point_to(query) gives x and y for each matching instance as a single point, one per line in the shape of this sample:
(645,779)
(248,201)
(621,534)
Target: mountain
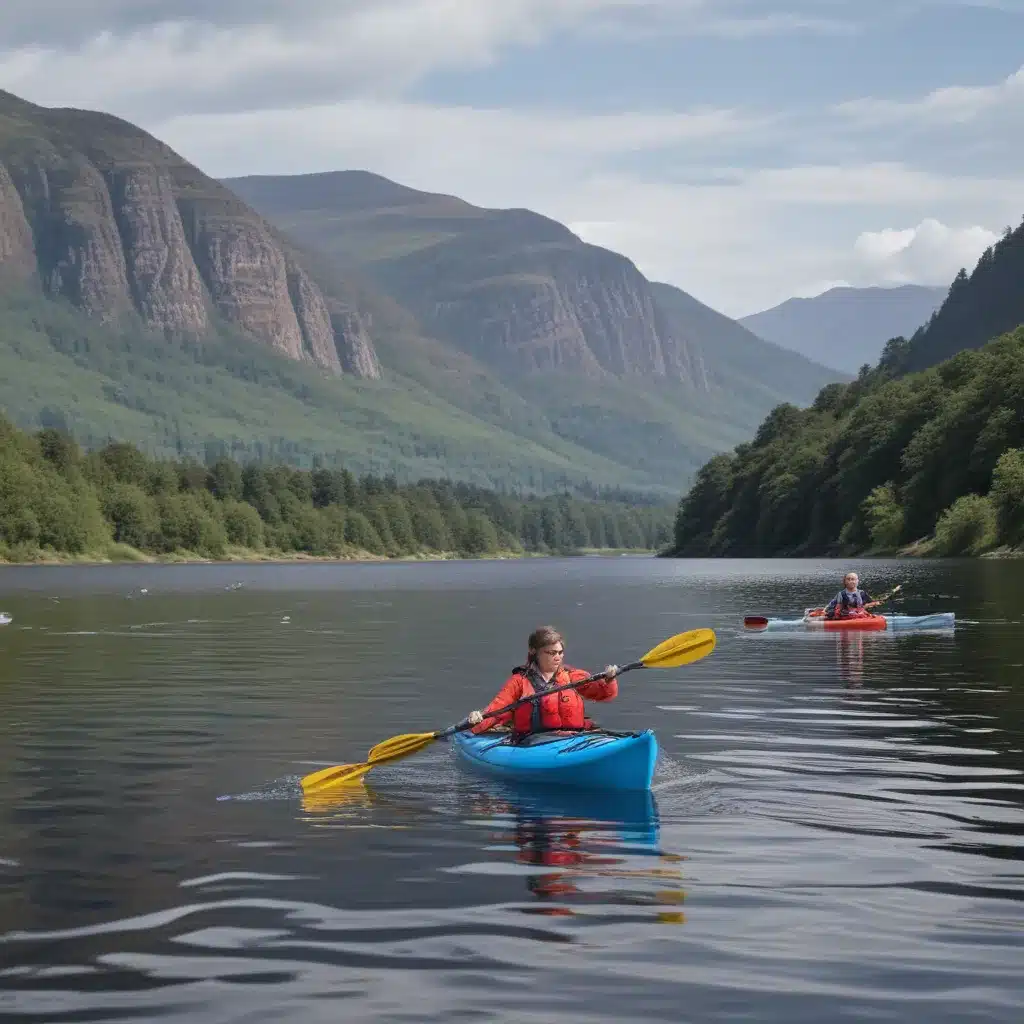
(570,326)
(846,327)
(383,328)
(105,216)
(978,307)
(753,370)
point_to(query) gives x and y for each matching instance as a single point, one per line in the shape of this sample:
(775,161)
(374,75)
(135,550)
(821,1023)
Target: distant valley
(847,327)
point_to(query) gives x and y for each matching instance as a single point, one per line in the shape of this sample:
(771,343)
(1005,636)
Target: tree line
(57,497)
(874,465)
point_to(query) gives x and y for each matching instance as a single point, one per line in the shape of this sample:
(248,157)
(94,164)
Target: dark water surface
(836,831)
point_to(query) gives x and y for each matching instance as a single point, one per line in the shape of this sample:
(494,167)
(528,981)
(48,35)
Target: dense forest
(114,502)
(925,449)
(876,465)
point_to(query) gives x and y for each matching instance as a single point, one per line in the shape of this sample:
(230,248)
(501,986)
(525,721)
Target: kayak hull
(583,760)
(867,623)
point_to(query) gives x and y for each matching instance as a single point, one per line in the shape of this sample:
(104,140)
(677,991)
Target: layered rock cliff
(561,304)
(104,215)
(17,246)
(513,288)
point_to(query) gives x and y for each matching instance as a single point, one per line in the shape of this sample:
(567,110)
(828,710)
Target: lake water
(835,835)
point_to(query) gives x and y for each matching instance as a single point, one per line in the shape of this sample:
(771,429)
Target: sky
(745,150)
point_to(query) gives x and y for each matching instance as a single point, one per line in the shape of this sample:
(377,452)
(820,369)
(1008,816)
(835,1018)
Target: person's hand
(610,672)
(475,717)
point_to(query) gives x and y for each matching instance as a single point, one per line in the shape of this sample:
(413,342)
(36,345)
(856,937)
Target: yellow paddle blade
(681,649)
(388,750)
(398,746)
(336,775)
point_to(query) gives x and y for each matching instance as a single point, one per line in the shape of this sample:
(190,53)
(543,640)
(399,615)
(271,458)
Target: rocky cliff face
(165,281)
(513,288)
(104,215)
(17,247)
(558,305)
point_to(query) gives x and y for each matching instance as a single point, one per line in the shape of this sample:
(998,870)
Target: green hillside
(58,367)
(875,465)
(115,504)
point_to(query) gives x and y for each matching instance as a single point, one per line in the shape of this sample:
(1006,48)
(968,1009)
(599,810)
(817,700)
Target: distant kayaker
(544,670)
(851,600)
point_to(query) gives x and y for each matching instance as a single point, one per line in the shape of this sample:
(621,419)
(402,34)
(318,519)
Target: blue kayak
(592,759)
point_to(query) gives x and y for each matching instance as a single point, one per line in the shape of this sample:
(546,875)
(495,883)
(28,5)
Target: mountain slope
(515,289)
(111,243)
(521,293)
(748,367)
(100,213)
(59,368)
(846,327)
(979,306)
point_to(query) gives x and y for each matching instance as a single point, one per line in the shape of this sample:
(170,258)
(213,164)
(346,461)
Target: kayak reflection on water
(588,846)
(579,840)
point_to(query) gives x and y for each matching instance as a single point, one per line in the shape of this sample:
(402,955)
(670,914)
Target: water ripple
(836,830)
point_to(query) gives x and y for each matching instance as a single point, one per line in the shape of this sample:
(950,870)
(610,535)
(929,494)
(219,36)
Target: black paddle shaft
(466,724)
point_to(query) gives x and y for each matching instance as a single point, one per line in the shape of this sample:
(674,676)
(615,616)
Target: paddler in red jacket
(544,670)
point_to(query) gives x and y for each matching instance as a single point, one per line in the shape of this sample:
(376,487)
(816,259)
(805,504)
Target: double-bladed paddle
(681,649)
(761,621)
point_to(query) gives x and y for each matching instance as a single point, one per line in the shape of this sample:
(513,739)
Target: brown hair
(544,636)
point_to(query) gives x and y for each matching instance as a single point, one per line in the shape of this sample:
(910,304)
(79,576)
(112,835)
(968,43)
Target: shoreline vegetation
(924,464)
(60,504)
(125,554)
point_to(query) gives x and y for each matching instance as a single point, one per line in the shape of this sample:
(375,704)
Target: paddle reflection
(338,802)
(588,847)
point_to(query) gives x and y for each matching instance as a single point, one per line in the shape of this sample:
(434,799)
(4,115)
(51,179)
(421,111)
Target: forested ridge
(114,502)
(932,459)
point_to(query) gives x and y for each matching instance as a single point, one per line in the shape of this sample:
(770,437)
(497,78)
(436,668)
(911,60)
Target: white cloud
(778,23)
(719,18)
(259,86)
(147,58)
(185,61)
(493,157)
(930,253)
(739,239)
(751,245)
(941,107)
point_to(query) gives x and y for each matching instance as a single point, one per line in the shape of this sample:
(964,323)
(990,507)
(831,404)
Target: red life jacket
(563,710)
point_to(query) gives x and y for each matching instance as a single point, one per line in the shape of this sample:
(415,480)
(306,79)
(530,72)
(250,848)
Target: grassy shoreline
(124,554)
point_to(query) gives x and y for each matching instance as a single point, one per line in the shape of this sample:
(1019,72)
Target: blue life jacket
(846,600)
